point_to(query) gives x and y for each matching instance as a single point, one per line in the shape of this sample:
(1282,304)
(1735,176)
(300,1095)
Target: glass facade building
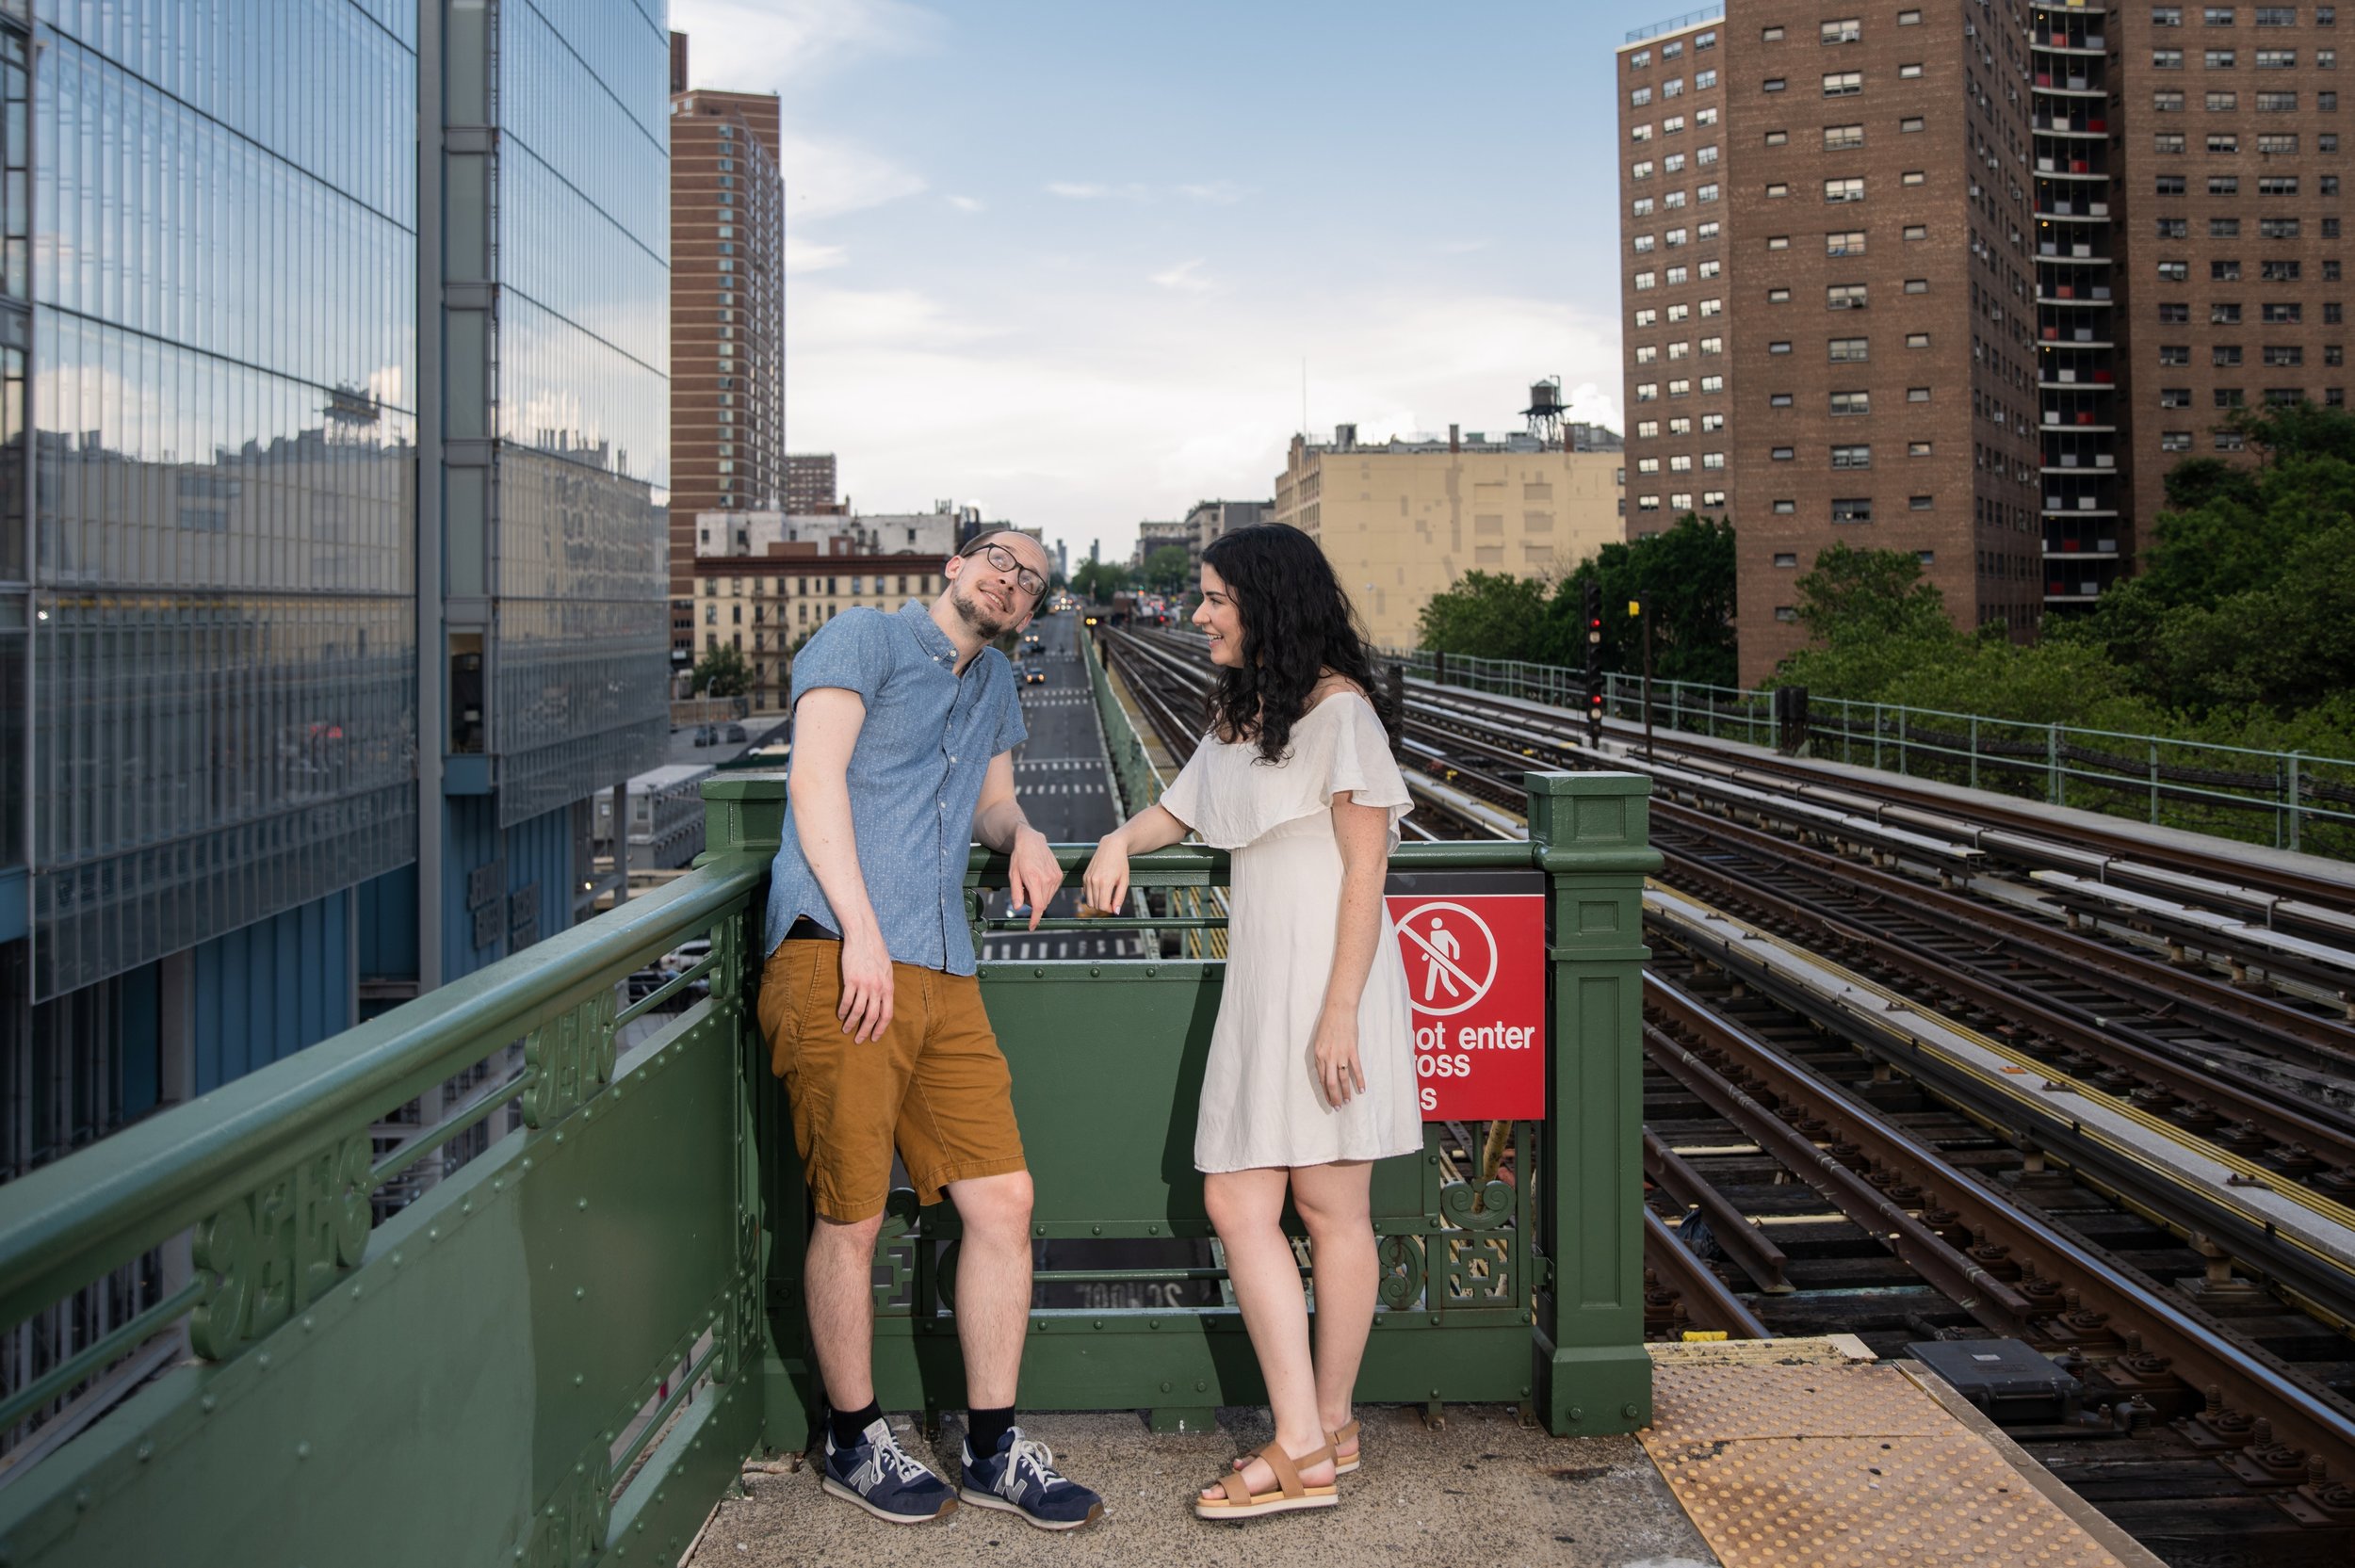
(223,442)
(334,467)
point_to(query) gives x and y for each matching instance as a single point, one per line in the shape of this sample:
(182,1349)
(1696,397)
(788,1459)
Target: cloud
(765,45)
(1222,193)
(965,203)
(1460,247)
(802,255)
(1085,402)
(826,178)
(1074,190)
(1185,276)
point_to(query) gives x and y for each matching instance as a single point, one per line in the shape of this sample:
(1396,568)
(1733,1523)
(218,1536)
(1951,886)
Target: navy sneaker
(1020,1477)
(884,1479)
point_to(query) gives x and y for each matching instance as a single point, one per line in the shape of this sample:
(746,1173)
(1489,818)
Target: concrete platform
(1484,1489)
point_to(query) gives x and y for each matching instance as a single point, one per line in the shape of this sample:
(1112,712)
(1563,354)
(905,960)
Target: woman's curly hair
(1297,625)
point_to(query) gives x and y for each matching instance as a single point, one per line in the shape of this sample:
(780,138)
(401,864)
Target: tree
(722,672)
(1097,581)
(1488,615)
(1168,570)
(1684,578)
(1869,595)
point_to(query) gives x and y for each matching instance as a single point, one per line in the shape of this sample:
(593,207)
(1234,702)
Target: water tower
(1545,410)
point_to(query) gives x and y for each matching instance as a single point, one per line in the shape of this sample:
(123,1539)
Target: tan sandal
(1238,1501)
(1334,1440)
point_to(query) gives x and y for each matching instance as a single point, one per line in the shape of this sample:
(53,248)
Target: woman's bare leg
(1336,1202)
(1247,1206)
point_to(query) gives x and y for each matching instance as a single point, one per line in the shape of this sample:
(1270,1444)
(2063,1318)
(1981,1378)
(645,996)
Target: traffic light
(1594,663)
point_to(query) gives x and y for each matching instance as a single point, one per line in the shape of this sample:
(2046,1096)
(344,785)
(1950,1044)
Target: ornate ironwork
(1402,1272)
(280,1247)
(569,1058)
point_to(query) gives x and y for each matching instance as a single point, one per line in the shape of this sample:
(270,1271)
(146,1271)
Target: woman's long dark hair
(1298,623)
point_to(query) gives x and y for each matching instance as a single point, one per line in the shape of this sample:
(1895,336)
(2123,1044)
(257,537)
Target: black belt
(806,930)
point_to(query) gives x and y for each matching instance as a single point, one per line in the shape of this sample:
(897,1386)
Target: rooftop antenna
(1545,410)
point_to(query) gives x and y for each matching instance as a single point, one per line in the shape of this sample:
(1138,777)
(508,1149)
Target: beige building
(1404,520)
(766,605)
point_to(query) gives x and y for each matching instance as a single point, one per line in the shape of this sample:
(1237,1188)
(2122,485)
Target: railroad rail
(1904,1049)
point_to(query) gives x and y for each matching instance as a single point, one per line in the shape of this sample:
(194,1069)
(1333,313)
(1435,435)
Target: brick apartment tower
(810,484)
(1830,281)
(727,317)
(1966,279)
(2226,129)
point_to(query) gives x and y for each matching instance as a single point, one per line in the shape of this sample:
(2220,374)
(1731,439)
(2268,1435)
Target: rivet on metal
(580,1293)
(433,1232)
(1630,1410)
(560,1137)
(208,1403)
(309,1321)
(261,1361)
(578,1378)
(147,1450)
(581,1203)
(302,1449)
(527,1164)
(1577,1415)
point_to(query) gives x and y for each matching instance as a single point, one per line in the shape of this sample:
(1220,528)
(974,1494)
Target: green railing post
(1589,833)
(741,813)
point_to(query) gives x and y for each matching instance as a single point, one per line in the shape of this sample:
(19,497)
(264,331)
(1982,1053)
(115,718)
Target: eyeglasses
(1002,559)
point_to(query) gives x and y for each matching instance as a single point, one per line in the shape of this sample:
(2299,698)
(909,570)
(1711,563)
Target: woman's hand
(1339,1071)
(866,986)
(1106,879)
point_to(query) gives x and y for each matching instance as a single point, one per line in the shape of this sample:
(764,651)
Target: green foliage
(1488,615)
(1097,581)
(1684,578)
(1684,575)
(2240,628)
(1168,570)
(722,672)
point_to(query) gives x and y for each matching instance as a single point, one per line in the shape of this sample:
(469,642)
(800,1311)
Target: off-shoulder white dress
(1261,1102)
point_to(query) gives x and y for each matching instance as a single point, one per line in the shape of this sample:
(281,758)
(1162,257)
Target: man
(903,730)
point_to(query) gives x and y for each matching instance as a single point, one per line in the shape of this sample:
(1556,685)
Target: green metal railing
(561,1350)
(2288,799)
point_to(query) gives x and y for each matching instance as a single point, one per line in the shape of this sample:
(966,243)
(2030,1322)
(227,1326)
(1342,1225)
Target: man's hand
(1035,877)
(866,986)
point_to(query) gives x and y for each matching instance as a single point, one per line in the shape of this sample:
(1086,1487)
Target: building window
(1845,242)
(1917,231)
(2174,441)
(1776,191)
(1852,457)
(1778,242)
(1917,340)
(2224,355)
(2170,271)
(1909,72)
(1781,454)
(2167,59)
(1848,350)
(1846,30)
(2174,396)
(1909,123)
(1781,347)
(1772,84)
(1848,190)
(1912,177)
(1846,404)
(1917,395)
(2175,353)
(1919,503)
(1844,297)
(1854,509)
(1917,448)
(1843,84)
(1778,399)
(2168,228)
(2224,272)
(1839,138)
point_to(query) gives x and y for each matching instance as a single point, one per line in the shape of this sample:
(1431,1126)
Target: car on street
(1035,674)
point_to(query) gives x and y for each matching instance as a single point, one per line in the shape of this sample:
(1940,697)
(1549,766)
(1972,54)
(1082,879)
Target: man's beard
(975,614)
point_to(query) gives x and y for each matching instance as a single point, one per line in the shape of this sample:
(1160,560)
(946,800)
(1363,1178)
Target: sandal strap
(1287,1473)
(1238,1490)
(1343,1435)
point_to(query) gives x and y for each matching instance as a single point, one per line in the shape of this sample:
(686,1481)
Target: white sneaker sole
(990,1499)
(948,1506)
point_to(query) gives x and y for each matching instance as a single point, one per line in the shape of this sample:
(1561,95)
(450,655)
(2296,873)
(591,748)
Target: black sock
(987,1429)
(850,1426)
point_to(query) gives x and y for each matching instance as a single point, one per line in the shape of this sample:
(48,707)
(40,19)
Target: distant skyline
(1065,262)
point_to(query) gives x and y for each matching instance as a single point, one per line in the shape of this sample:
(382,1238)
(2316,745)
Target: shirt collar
(929,636)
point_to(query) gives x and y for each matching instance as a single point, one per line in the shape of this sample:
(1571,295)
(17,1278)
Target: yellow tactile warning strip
(1831,1466)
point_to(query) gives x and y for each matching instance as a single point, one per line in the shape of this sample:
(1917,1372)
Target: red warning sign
(1476,980)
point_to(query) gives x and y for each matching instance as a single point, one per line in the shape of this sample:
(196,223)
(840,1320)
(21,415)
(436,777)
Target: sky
(1066,262)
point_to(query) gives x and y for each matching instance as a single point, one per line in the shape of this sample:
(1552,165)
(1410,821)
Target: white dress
(1263,1104)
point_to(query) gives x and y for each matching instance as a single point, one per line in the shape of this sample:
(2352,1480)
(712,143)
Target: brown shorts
(934,1085)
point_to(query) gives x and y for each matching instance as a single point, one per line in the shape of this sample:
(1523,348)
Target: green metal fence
(561,1350)
(2288,799)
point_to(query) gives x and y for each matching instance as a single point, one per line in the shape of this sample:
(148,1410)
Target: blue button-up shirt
(915,775)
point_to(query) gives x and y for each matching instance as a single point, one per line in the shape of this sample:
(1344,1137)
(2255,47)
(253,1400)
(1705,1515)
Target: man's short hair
(986,535)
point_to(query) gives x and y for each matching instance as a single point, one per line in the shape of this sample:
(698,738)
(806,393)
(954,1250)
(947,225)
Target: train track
(1857,1176)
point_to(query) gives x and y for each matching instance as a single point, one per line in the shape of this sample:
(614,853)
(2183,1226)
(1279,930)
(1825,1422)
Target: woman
(1310,1075)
